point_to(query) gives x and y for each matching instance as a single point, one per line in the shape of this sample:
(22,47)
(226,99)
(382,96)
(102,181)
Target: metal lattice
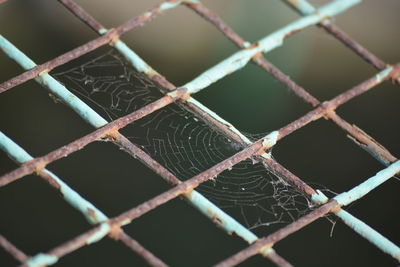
(112,227)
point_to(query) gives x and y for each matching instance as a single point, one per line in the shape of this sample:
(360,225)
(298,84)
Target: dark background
(180,45)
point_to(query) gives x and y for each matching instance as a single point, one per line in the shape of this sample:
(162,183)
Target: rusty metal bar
(305,8)
(92,214)
(108,37)
(270,240)
(357,135)
(105,228)
(227,222)
(239,59)
(317,113)
(337,6)
(39,163)
(13,250)
(194,199)
(327,106)
(135,246)
(97,233)
(334,206)
(83,15)
(256,147)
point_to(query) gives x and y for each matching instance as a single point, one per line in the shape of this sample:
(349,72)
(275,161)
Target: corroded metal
(253,149)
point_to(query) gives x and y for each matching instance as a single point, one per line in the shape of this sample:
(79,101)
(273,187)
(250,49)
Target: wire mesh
(259,149)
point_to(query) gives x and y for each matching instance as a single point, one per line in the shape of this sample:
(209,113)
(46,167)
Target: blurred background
(180,45)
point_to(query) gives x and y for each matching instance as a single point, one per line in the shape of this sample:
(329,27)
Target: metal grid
(112,227)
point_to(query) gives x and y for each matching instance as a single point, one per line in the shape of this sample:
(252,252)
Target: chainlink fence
(206,160)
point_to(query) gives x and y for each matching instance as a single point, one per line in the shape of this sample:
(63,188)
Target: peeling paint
(270,140)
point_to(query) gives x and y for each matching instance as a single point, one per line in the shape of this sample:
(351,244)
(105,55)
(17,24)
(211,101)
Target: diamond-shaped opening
(179,45)
(45,33)
(109,178)
(322,155)
(378,32)
(253,101)
(329,68)
(34,121)
(323,242)
(253,20)
(182,236)
(106,252)
(106,82)
(376,113)
(35,218)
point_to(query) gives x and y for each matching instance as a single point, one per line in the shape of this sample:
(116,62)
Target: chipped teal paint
(370,234)
(102,31)
(319,198)
(240,58)
(41,260)
(383,75)
(365,187)
(91,213)
(98,235)
(53,85)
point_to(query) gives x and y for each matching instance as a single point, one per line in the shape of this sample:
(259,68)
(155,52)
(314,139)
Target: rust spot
(160,80)
(336,208)
(258,56)
(92,214)
(39,166)
(50,181)
(253,45)
(291,33)
(113,35)
(217,221)
(115,232)
(112,136)
(186,96)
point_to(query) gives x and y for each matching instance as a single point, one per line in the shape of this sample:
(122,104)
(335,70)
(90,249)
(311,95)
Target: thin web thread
(185,144)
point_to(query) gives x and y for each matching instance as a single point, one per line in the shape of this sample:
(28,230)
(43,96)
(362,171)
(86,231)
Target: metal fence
(104,226)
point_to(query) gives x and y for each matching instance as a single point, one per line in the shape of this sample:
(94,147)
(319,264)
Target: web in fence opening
(185,144)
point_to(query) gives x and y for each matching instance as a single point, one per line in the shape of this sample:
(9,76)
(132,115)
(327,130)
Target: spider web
(184,143)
